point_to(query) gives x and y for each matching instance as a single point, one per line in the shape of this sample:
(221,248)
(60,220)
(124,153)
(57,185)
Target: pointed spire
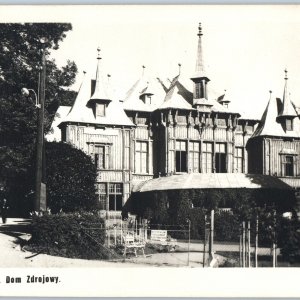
(199,78)
(268,125)
(287,109)
(100,92)
(199,62)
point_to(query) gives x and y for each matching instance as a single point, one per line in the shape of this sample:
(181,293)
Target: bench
(161,238)
(131,245)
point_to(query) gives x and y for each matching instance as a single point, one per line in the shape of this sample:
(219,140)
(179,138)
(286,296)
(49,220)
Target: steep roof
(177,97)
(211,181)
(83,113)
(55,133)
(287,108)
(268,125)
(145,85)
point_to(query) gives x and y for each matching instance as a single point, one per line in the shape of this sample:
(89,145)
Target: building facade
(161,129)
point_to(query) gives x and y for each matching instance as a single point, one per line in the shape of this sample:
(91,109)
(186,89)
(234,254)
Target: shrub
(74,235)
(71,177)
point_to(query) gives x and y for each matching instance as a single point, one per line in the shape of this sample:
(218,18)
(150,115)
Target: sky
(246,48)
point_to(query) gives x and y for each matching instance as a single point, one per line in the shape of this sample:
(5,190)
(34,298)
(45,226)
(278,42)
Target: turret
(100,98)
(287,112)
(200,78)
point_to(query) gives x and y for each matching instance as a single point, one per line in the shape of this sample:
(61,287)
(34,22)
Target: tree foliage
(71,177)
(20,63)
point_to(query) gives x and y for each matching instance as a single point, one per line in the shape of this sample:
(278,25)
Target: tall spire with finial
(200,69)
(287,109)
(199,78)
(100,92)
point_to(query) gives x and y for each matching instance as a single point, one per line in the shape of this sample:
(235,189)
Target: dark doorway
(181,161)
(220,163)
(115,202)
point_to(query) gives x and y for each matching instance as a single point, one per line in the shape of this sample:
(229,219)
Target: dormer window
(146,98)
(100,110)
(289,124)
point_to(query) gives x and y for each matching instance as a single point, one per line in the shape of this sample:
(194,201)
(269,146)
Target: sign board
(159,235)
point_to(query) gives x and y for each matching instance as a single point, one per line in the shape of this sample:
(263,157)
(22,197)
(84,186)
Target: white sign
(159,235)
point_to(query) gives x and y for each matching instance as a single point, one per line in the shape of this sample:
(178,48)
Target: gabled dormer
(100,97)
(147,93)
(287,113)
(224,99)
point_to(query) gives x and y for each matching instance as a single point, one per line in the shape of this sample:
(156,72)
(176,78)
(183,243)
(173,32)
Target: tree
(71,177)
(20,61)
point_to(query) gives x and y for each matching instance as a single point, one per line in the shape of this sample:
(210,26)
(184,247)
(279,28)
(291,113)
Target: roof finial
(200,30)
(143,72)
(179,66)
(108,77)
(270,92)
(285,71)
(98,56)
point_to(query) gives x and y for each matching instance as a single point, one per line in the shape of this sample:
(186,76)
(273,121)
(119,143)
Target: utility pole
(40,185)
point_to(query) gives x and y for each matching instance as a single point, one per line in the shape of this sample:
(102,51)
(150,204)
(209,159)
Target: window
(198,90)
(220,158)
(141,157)
(288,165)
(100,157)
(289,124)
(238,159)
(194,154)
(207,157)
(101,192)
(115,196)
(100,110)
(181,165)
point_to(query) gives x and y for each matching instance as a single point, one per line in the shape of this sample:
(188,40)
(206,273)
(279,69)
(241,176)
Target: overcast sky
(246,48)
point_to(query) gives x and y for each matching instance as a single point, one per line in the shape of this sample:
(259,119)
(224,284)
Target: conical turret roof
(200,71)
(287,109)
(101,92)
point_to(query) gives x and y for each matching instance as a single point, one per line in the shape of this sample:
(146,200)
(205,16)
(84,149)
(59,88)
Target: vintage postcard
(150,150)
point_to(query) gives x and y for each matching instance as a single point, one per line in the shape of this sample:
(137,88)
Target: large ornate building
(165,130)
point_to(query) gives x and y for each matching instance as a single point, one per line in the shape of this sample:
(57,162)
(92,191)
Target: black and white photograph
(141,142)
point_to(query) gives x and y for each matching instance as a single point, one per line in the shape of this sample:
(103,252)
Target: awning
(212,181)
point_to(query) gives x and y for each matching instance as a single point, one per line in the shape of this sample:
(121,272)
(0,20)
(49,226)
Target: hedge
(74,235)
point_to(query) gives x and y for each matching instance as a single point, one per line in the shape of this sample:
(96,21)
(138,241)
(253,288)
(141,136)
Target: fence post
(211,236)
(188,262)
(274,242)
(243,246)
(204,245)
(256,242)
(121,233)
(249,245)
